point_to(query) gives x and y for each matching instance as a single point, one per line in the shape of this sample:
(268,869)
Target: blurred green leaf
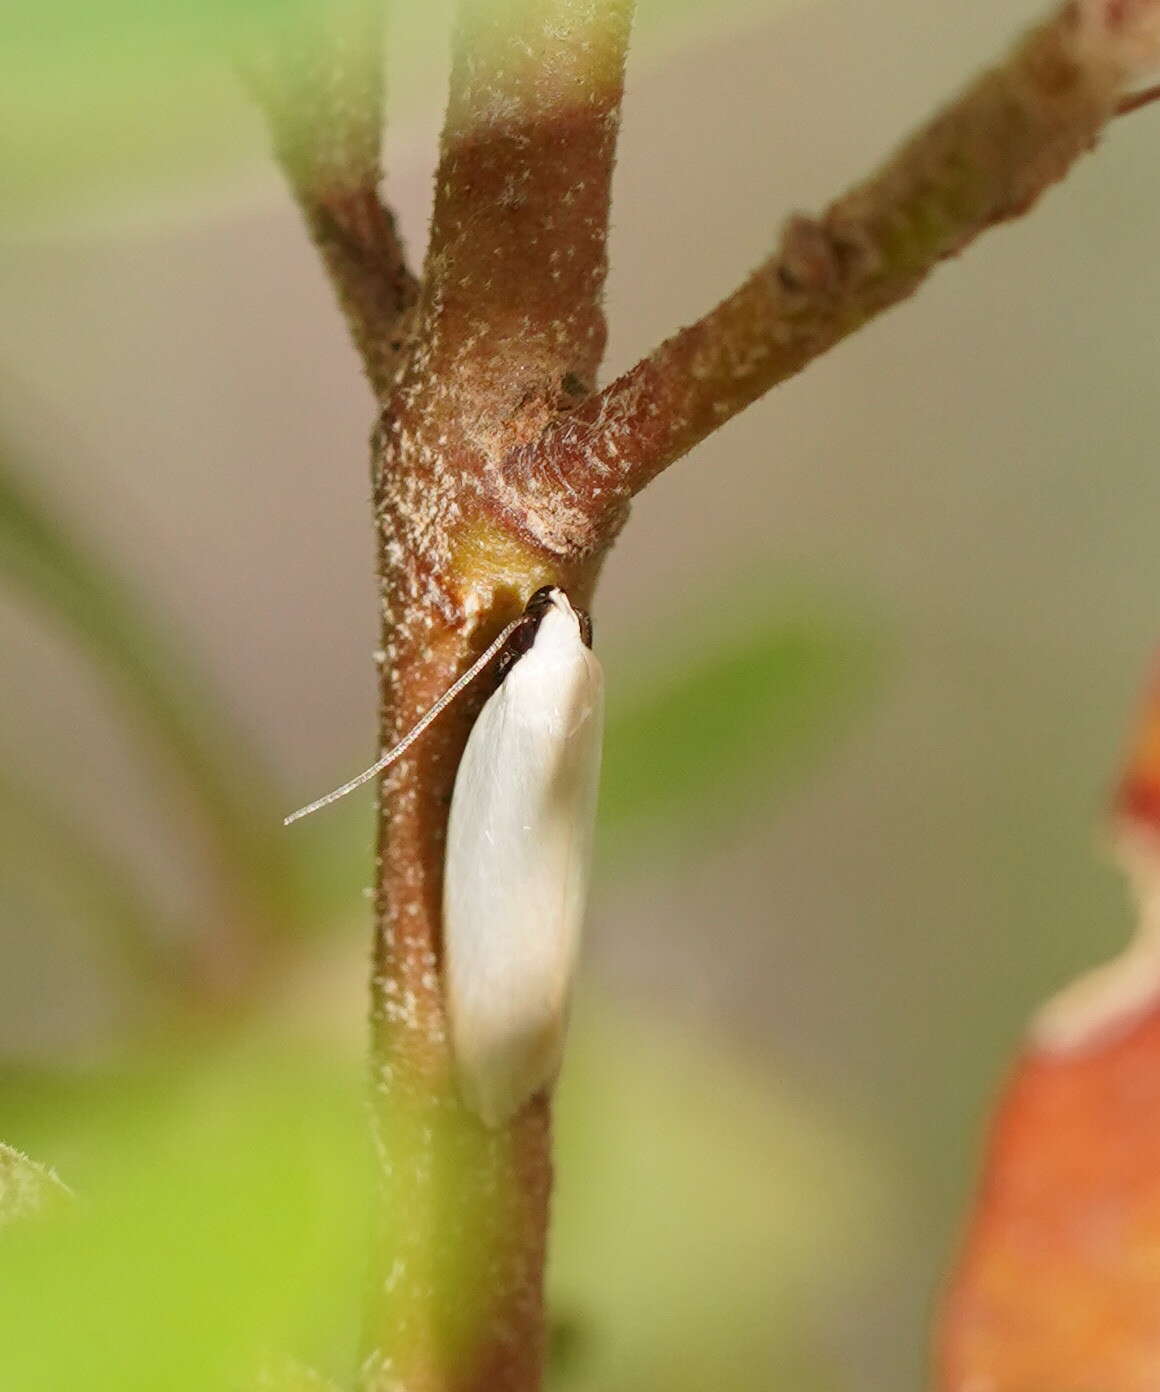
(100,99)
(26,1188)
(703,1221)
(693,751)
(222,1228)
(173,704)
(95,96)
(706,1226)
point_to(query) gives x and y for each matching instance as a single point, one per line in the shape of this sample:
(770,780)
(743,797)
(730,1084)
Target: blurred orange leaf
(1058,1286)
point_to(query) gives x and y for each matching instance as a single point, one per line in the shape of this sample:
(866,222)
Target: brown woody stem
(517,261)
(509,332)
(984,159)
(1138,100)
(320,82)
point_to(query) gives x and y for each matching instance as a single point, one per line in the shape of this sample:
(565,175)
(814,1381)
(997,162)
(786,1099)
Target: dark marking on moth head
(540,603)
(524,636)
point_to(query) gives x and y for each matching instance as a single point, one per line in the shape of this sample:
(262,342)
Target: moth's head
(552,597)
(547,600)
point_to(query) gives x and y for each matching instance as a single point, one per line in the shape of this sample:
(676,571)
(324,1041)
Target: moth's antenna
(416,730)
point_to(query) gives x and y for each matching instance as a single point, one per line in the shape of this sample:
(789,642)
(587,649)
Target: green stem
(189,734)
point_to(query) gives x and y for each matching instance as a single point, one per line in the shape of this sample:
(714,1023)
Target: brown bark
(509,332)
(319,80)
(984,159)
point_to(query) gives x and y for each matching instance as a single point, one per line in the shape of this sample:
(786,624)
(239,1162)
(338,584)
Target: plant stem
(984,159)
(509,332)
(319,79)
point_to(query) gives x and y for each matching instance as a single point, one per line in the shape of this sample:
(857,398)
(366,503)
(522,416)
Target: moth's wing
(519,849)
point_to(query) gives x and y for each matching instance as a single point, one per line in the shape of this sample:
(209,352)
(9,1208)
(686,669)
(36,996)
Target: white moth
(519,845)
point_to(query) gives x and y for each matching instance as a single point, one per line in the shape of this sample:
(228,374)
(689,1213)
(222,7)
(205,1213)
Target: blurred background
(872,651)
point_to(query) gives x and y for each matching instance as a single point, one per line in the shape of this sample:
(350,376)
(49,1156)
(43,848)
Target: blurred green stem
(319,79)
(190,736)
(62,844)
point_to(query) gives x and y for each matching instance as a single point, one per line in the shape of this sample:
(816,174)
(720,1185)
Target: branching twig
(1138,100)
(320,82)
(508,335)
(983,160)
